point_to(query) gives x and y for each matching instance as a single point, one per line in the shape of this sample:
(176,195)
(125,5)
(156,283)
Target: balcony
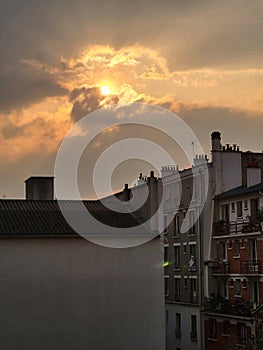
(221,268)
(224,306)
(250,267)
(222,228)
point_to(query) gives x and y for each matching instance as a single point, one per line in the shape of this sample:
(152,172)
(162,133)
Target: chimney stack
(40,188)
(216,141)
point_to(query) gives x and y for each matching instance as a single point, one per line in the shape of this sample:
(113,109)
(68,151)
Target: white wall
(66,293)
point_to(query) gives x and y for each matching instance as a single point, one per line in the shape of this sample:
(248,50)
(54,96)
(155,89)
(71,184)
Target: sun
(105,90)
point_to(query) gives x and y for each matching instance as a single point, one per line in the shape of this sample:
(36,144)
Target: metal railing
(236,227)
(251,267)
(222,268)
(220,305)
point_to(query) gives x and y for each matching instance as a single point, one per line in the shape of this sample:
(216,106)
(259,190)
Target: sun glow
(105,90)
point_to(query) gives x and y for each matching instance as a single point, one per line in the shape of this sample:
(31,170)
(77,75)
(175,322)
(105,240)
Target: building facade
(197,263)
(60,291)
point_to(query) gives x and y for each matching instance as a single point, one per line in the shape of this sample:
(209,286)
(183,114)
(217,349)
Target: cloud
(22,85)
(86,100)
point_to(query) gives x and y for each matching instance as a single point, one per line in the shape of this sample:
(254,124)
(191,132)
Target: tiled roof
(43,217)
(240,191)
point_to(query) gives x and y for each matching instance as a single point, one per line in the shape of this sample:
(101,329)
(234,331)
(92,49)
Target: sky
(199,59)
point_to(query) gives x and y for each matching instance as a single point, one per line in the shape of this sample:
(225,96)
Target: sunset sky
(200,59)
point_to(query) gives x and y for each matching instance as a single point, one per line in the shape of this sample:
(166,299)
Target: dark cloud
(87,100)
(21,85)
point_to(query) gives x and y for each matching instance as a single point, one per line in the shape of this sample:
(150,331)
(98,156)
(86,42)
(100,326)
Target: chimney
(216,141)
(40,188)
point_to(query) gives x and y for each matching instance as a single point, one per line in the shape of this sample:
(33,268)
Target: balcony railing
(224,306)
(221,268)
(251,267)
(233,228)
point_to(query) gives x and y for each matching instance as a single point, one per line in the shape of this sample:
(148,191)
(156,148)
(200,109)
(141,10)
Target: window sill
(236,256)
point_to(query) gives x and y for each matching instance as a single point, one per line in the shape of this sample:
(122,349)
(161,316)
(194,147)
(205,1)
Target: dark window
(213,329)
(178,325)
(238,287)
(177,284)
(242,333)
(176,257)
(233,207)
(239,209)
(237,248)
(193,290)
(226,327)
(185,282)
(193,328)
(165,224)
(166,286)
(165,254)
(176,225)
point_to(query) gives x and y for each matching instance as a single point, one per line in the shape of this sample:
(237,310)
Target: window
(165,255)
(193,328)
(254,292)
(226,327)
(223,251)
(193,290)
(224,289)
(238,287)
(185,247)
(166,316)
(192,260)
(165,223)
(166,286)
(177,257)
(176,225)
(177,285)
(192,249)
(242,333)
(239,209)
(233,207)
(192,230)
(236,248)
(185,283)
(246,205)
(178,325)
(253,250)
(213,329)
(244,283)
(231,284)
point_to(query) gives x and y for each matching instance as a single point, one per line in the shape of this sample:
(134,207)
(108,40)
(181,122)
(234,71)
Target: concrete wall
(66,293)
(184,342)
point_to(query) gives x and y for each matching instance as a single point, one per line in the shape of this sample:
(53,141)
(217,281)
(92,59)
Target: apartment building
(193,265)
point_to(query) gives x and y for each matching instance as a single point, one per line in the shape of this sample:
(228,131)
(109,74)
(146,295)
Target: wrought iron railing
(222,268)
(224,306)
(251,267)
(236,227)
